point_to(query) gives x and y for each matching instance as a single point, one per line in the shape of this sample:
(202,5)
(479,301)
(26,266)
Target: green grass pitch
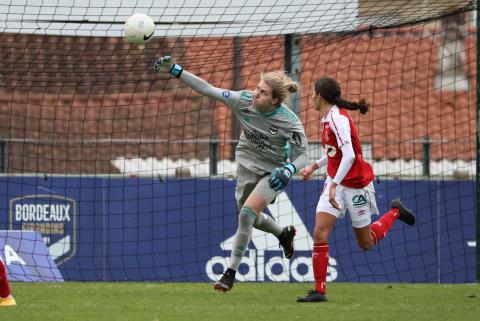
(247,301)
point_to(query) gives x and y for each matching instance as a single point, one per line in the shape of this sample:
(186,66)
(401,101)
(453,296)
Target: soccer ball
(139,28)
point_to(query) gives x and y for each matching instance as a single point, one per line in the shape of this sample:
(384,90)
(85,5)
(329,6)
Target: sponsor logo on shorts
(361,212)
(359,200)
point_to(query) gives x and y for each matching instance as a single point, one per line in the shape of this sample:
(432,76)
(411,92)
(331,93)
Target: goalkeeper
(271,148)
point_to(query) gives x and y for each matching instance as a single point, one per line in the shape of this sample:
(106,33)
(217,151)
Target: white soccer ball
(139,28)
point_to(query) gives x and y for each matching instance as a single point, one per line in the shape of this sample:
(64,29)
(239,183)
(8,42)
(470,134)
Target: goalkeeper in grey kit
(271,148)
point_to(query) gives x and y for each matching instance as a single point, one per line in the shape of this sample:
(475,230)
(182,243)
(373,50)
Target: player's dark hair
(330,90)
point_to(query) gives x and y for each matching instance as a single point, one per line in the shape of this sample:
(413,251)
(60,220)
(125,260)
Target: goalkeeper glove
(164,64)
(280,176)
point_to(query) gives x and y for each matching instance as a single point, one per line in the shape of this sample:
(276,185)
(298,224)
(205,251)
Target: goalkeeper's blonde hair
(282,85)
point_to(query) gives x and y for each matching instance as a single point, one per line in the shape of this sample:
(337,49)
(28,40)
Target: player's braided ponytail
(360,105)
(330,90)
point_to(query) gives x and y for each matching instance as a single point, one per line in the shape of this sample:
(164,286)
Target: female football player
(6,298)
(271,148)
(349,185)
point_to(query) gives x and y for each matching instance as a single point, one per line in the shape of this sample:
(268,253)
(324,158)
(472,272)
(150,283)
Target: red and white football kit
(347,168)
(355,192)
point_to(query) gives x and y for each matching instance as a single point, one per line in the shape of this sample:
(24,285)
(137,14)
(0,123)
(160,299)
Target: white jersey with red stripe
(338,130)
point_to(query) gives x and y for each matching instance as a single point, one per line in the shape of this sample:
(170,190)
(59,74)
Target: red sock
(4,287)
(320,264)
(381,227)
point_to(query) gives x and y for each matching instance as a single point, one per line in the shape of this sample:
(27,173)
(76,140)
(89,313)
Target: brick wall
(72,104)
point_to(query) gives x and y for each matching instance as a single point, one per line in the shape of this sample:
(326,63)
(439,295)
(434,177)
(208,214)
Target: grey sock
(242,237)
(265,223)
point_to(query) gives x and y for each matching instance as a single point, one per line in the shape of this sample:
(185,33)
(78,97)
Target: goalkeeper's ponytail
(330,90)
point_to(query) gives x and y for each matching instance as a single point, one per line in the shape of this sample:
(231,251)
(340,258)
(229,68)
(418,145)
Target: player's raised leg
(380,228)
(6,298)
(368,235)
(285,235)
(265,223)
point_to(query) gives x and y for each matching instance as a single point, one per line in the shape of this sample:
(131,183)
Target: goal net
(111,172)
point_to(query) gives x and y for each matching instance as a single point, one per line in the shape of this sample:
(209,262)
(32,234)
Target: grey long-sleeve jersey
(268,140)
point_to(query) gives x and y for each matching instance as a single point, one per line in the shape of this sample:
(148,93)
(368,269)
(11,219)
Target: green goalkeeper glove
(165,64)
(280,176)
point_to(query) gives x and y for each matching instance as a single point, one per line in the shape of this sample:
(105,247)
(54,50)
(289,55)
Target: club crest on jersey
(331,151)
(273,130)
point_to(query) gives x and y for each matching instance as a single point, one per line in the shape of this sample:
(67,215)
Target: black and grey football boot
(406,215)
(286,240)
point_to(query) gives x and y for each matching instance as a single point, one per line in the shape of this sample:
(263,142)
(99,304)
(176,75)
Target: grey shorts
(248,182)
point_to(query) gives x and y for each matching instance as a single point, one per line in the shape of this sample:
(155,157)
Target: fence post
(426,156)
(213,157)
(292,64)
(477,175)
(3,156)
(237,85)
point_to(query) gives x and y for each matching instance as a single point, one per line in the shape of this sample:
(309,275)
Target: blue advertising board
(141,229)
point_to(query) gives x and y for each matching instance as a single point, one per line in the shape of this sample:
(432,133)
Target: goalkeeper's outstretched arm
(165,64)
